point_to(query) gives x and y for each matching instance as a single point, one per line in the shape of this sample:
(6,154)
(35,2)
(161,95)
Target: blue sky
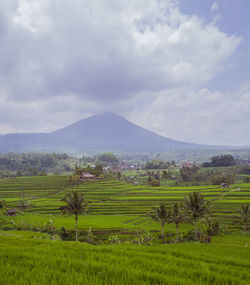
(177,67)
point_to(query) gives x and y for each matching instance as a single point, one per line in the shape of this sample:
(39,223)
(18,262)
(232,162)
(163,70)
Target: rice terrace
(119,242)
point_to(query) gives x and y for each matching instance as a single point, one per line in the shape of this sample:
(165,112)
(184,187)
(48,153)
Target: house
(87,176)
(116,169)
(224,185)
(131,177)
(11,212)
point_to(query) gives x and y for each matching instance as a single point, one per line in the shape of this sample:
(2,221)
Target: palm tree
(244,212)
(196,206)
(75,206)
(178,216)
(162,215)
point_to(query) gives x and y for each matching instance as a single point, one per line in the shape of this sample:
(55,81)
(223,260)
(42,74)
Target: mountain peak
(107,115)
(106,131)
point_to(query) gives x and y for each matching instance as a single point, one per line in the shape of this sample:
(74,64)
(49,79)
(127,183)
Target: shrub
(192,236)
(212,226)
(49,227)
(142,238)
(153,182)
(246,180)
(218,179)
(64,235)
(90,238)
(114,239)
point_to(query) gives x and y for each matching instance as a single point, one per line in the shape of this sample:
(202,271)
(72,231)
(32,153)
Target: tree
(108,158)
(178,216)
(188,173)
(166,174)
(220,160)
(244,213)
(196,206)
(162,215)
(75,205)
(157,164)
(119,175)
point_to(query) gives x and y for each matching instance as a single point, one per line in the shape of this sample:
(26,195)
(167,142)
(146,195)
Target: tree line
(34,163)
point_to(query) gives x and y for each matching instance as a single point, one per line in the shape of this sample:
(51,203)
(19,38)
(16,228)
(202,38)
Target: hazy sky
(180,68)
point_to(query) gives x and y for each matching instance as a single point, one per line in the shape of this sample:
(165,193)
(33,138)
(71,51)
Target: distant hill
(99,132)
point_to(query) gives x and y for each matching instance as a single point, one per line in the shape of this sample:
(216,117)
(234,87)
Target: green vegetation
(114,199)
(74,206)
(37,261)
(32,164)
(108,158)
(221,160)
(196,206)
(158,164)
(244,215)
(178,216)
(162,215)
(118,222)
(189,173)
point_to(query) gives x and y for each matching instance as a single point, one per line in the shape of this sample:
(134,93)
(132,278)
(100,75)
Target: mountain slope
(110,131)
(99,132)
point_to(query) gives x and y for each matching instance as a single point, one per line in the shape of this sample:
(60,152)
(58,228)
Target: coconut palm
(178,216)
(244,213)
(162,215)
(75,205)
(196,206)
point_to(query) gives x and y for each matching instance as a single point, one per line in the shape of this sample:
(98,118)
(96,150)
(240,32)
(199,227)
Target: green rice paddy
(30,257)
(113,203)
(35,261)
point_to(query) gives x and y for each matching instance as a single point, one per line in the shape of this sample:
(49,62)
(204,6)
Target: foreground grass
(33,261)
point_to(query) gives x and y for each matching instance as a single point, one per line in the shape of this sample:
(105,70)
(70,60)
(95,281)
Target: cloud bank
(61,61)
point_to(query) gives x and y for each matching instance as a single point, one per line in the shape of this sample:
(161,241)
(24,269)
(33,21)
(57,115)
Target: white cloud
(64,60)
(201,117)
(32,15)
(108,51)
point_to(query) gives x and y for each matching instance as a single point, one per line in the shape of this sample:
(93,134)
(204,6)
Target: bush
(64,235)
(142,238)
(212,226)
(89,238)
(49,227)
(153,182)
(246,180)
(204,238)
(114,239)
(218,179)
(192,236)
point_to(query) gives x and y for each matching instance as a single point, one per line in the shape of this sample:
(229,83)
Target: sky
(179,68)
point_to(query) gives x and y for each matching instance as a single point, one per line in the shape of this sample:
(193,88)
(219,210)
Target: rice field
(113,204)
(32,260)
(29,256)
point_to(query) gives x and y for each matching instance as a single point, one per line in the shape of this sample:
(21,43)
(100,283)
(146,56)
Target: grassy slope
(32,261)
